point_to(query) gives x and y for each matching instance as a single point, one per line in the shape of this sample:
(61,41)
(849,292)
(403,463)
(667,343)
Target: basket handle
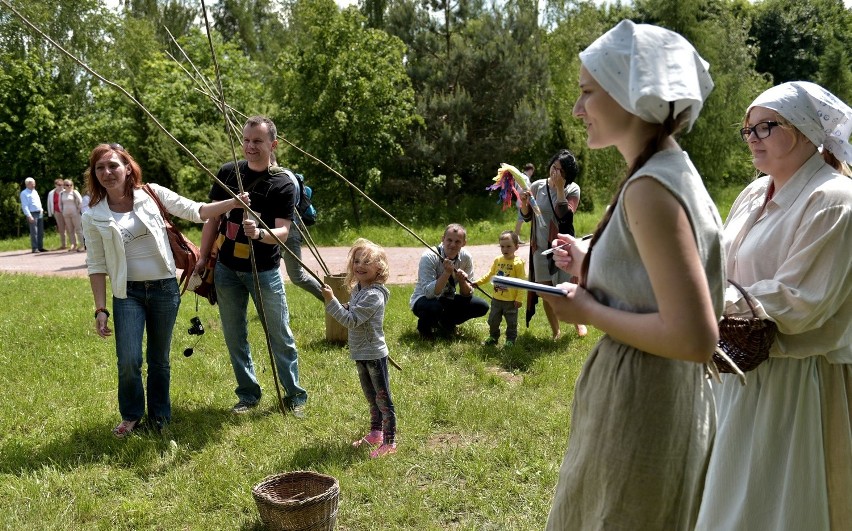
(746,296)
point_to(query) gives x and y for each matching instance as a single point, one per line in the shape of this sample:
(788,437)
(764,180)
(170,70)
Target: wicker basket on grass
(297,501)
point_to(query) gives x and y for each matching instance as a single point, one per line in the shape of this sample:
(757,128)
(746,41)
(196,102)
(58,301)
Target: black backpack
(303,205)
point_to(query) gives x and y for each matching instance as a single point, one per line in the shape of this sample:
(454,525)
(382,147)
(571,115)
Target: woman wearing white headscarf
(783,453)
(651,279)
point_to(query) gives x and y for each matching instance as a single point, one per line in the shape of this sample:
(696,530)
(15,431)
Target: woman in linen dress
(651,279)
(782,459)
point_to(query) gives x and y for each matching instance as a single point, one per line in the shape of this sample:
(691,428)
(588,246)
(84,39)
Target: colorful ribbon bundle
(511,182)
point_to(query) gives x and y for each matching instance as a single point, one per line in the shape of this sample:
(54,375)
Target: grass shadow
(193,429)
(328,455)
(527,349)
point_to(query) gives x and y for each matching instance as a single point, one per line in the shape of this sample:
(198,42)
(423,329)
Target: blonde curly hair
(371,253)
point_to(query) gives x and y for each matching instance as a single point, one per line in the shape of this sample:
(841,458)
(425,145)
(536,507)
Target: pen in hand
(550,251)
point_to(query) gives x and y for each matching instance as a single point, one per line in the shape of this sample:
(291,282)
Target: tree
(345,97)
(253,25)
(481,82)
(805,41)
(42,91)
(722,40)
(169,18)
(576,26)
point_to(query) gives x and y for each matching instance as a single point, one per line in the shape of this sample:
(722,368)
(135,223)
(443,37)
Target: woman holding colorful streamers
(558,197)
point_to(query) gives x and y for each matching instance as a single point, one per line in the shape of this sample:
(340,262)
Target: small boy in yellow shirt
(506,301)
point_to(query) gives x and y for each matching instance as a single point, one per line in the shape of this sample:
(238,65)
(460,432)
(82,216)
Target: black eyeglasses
(762,130)
(116,146)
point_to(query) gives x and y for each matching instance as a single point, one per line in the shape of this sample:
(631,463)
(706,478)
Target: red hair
(96,190)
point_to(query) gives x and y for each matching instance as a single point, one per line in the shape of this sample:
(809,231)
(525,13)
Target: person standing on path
(54,210)
(31,205)
(72,205)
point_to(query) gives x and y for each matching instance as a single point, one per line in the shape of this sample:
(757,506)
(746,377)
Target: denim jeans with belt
(232,291)
(151,306)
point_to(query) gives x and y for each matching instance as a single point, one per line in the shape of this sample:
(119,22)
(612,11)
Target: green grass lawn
(481,434)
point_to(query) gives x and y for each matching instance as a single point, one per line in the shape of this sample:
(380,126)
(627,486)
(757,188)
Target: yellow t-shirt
(503,267)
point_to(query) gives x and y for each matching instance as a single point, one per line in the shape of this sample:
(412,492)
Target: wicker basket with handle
(297,501)
(746,340)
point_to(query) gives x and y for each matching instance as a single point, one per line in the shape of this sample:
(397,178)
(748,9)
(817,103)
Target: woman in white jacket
(126,239)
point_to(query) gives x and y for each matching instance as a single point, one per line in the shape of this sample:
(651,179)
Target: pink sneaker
(125,428)
(374,438)
(383,450)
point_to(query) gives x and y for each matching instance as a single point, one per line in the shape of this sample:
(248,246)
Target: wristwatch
(260,234)
(101,310)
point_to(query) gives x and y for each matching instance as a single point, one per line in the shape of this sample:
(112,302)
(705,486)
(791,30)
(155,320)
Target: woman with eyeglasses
(72,204)
(126,240)
(558,197)
(782,458)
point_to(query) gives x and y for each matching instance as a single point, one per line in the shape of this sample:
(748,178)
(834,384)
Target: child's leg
(365,377)
(378,372)
(511,322)
(494,319)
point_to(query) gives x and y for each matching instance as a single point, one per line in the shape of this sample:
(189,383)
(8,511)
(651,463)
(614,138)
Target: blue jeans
(295,271)
(151,306)
(37,230)
(375,383)
(232,291)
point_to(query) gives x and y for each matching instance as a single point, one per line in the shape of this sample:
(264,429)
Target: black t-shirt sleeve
(226,175)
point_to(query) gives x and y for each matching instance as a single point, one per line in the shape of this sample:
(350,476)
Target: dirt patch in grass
(505,375)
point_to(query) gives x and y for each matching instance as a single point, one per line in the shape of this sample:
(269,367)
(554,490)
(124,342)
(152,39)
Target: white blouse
(795,257)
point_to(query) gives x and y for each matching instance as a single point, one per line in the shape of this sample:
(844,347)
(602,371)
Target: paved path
(403,261)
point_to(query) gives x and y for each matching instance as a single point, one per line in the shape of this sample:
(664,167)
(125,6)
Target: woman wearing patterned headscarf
(783,454)
(651,279)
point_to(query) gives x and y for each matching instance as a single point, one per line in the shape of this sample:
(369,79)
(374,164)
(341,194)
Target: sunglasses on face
(761,130)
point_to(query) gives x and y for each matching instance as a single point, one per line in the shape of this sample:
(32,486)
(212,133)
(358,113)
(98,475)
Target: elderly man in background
(31,205)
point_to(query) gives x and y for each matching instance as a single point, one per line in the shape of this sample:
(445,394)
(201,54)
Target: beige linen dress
(642,426)
(783,453)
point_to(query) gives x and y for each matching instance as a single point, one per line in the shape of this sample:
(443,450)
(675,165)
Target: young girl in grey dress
(643,417)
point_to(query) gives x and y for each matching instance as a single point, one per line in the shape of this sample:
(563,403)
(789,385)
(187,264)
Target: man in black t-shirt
(272,196)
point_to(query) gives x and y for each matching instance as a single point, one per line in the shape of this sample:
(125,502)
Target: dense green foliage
(415,102)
